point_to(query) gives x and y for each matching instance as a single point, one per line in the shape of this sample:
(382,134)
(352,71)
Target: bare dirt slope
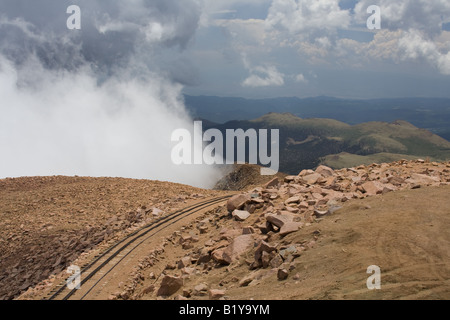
(47,222)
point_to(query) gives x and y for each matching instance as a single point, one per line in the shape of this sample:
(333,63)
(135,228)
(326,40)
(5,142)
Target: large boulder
(286,222)
(290,227)
(311,178)
(215,294)
(422,179)
(169,285)
(262,253)
(373,188)
(231,253)
(294,199)
(240,215)
(237,202)
(325,171)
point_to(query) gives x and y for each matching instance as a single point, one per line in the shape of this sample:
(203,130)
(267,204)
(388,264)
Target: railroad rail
(124,246)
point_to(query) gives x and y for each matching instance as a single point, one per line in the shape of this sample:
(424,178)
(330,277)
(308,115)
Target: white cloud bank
(94,102)
(68,125)
(307,15)
(264,77)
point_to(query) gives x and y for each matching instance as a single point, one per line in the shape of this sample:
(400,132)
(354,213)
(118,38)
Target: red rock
(423,179)
(188,271)
(219,256)
(321,211)
(312,178)
(303,205)
(285,222)
(325,171)
(263,247)
(276,261)
(290,179)
(237,202)
(257,200)
(290,227)
(295,199)
(148,289)
(272,183)
(282,274)
(373,188)
(305,172)
(240,215)
(203,229)
(397,181)
(200,290)
(279,220)
(247,280)
(215,294)
(292,210)
(264,227)
(330,181)
(389,188)
(228,234)
(184,262)
(229,254)
(169,285)
(248,230)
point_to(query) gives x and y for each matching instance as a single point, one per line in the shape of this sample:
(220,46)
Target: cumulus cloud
(414,46)
(411,31)
(427,16)
(264,77)
(307,16)
(395,46)
(99,101)
(301,78)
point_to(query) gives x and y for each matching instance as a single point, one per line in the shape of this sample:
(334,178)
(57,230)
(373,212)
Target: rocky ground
(313,236)
(310,236)
(47,222)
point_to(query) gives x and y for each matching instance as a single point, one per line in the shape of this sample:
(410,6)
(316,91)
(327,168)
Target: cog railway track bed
(104,263)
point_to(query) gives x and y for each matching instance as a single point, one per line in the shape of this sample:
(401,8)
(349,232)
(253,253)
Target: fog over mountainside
(100,101)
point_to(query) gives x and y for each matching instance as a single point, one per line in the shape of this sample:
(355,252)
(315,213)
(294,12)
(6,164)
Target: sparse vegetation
(306,143)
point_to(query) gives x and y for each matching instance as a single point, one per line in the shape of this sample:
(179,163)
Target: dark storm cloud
(113,33)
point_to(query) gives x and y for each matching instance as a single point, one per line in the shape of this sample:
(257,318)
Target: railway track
(105,262)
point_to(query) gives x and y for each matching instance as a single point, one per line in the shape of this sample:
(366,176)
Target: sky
(304,48)
(103,100)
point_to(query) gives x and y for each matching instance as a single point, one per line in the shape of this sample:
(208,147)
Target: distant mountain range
(432,114)
(306,143)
